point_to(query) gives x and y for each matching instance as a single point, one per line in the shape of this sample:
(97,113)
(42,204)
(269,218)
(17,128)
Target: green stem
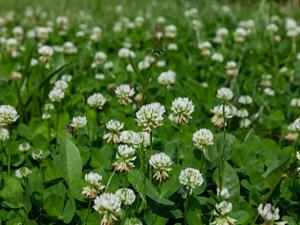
(87,213)
(223,150)
(186,207)
(109,180)
(8,163)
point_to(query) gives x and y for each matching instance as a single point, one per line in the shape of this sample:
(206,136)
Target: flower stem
(186,207)
(110,178)
(87,213)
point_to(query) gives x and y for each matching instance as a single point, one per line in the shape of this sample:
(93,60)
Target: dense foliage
(150,112)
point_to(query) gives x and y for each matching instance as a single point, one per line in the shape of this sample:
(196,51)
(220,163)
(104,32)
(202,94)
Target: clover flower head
(161,164)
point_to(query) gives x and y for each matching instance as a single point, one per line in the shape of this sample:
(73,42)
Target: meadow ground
(149,112)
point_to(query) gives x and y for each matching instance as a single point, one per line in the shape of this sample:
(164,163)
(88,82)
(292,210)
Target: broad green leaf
(230,180)
(70,161)
(12,193)
(68,212)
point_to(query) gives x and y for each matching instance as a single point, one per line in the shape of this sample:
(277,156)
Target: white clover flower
(37,154)
(4,134)
(242,113)
(268,212)
(161,164)
(129,137)
(8,115)
(133,221)
(94,179)
(295,126)
(96,100)
(182,109)
(222,113)
(99,76)
(245,123)
(269,91)
(202,138)
(114,127)
(223,192)
(245,100)
(218,57)
(69,48)
(143,139)
(126,53)
(298,155)
(124,93)
(295,102)
(94,187)
(205,48)
(46,53)
(79,122)
(172,47)
(224,93)
(124,158)
(99,59)
(33,62)
(167,78)
(223,208)
(126,195)
(42,33)
(22,172)
(161,20)
(11,45)
(61,84)
(204,45)
(129,68)
(190,178)
(108,65)
(161,63)
(170,31)
(108,205)
(67,77)
(24,147)
(56,95)
(224,220)
(231,69)
(62,22)
(272,28)
(221,211)
(46,116)
(150,116)
(240,34)
(222,32)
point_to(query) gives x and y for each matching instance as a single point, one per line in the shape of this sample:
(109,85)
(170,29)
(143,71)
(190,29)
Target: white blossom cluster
(269,213)
(161,164)
(182,109)
(96,100)
(8,115)
(203,138)
(190,178)
(79,122)
(114,128)
(94,187)
(150,116)
(124,158)
(167,78)
(124,93)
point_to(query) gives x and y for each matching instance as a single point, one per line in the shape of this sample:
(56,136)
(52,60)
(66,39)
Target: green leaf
(70,161)
(230,180)
(171,186)
(12,193)
(214,153)
(54,204)
(102,158)
(194,213)
(69,211)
